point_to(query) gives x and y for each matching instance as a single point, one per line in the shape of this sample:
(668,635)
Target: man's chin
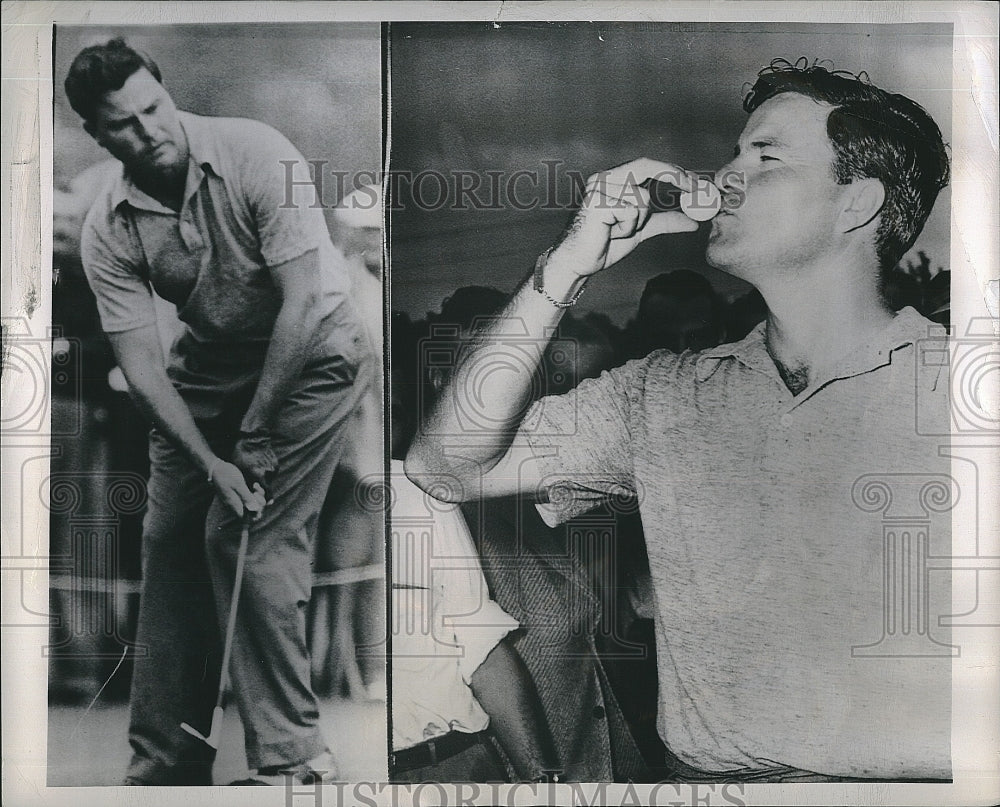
(724,261)
(163,159)
(715,257)
(150,178)
(166,161)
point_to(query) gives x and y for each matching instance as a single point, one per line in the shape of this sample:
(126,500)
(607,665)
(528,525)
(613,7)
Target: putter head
(213,733)
(194,732)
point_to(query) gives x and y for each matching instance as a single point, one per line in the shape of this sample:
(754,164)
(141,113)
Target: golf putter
(216,728)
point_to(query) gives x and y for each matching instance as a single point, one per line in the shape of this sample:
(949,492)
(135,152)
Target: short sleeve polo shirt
(776,578)
(213,259)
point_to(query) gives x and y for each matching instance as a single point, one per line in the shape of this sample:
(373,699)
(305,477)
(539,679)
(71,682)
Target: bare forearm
(493,380)
(141,360)
(504,688)
(499,372)
(293,332)
(162,405)
(140,357)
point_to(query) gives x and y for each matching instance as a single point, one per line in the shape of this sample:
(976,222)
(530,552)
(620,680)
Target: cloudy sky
(478,98)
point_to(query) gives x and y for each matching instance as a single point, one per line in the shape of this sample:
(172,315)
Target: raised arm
(612,221)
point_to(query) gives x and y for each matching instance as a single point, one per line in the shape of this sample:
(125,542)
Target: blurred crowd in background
(677,311)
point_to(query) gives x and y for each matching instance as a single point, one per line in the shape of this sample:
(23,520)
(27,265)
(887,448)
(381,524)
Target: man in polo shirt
(760,466)
(251,406)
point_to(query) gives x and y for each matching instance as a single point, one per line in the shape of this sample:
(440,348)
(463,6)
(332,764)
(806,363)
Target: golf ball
(703,202)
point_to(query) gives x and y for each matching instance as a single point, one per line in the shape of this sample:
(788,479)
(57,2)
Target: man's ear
(863,201)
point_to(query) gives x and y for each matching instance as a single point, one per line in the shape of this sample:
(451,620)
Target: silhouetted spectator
(578,351)
(743,314)
(98,439)
(937,298)
(351,534)
(615,335)
(469,304)
(678,311)
(900,289)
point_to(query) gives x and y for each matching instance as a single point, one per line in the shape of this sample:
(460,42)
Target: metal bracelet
(539,285)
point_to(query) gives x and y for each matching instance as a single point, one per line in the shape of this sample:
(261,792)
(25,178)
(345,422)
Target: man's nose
(729,180)
(144,128)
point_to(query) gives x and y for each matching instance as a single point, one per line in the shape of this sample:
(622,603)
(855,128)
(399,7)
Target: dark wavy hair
(100,69)
(875,134)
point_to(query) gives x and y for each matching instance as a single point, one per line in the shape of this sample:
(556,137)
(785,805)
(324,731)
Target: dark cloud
(475,97)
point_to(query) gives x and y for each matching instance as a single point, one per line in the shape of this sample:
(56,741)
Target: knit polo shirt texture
(779,588)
